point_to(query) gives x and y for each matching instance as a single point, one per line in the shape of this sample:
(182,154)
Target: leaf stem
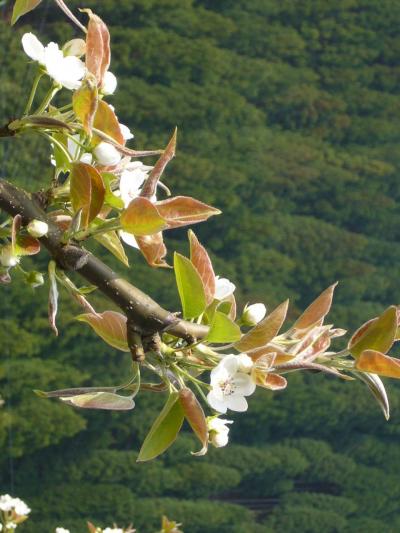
(48,98)
(33,92)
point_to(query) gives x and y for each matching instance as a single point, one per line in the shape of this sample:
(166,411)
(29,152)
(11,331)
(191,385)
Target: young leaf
(26,245)
(87,191)
(110,326)
(53,297)
(194,414)
(316,311)
(184,210)
(201,260)
(153,249)
(190,287)
(223,329)
(100,400)
(111,241)
(150,185)
(110,198)
(98,53)
(84,103)
(269,380)
(378,363)
(21,7)
(142,218)
(164,430)
(106,121)
(377,388)
(264,331)
(376,334)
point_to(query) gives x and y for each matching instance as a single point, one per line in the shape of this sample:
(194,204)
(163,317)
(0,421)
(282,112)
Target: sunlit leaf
(98,53)
(190,287)
(106,121)
(27,245)
(153,249)
(269,380)
(376,334)
(183,210)
(76,391)
(110,198)
(87,191)
(164,430)
(150,185)
(53,297)
(84,103)
(378,363)
(202,262)
(264,331)
(21,7)
(142,218)
(194,414)
(223,329)
(376,387)
(100,400)
(110,326)
(316,312)
(112,242)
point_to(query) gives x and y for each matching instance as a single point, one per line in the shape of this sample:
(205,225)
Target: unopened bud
(109,83)
(253,314)
(218,431)
(37,228)
(75,47)
(106,154)
(245,363)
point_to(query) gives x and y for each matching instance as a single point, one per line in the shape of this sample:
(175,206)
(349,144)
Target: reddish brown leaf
(141,217)
(378,363)
(91,527)
(110,326)
(106,121)
(194,414)
(98,53)
(87,191)
(279,356)
(27,245)
(202,262)
(184,210)
(150,185)
(316,312)
(84,102)
(264,331)
(270,381)
(153,249)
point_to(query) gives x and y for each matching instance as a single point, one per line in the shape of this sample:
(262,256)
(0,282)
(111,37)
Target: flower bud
(75,47)
(253,314)
(37,228)
(7,258)
(109,83)
(218,432)
(106,154)
(245,363)
(223,288)
(34,279)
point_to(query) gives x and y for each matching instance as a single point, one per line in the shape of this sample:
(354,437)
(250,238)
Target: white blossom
(106,154)
(7,503)
(126,132)
(223,288)
(37,228)
(253,314)
(62,530)
(74,47)
(109,83)
(218,431)
(245,363)
(229,386)
(7,258)
(1,527)
(68,71)
(75,150)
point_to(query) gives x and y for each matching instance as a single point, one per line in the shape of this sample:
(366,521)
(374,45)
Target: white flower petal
(245,362)
(223,288)
(106,154)
(129,239)
(216,403)
(33,47)
(130,183)
(244,384)
(230,363)
(253,314)
(236,403)
(126,132)
(109,83)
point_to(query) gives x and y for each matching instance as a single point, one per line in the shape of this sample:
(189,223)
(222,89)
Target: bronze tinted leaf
(87,191)
(150,185)
(27,245)
(202,262)
(110,326)
(106,121)
(141,217)
(194,414)
(316,312)
(264,331)
(153,249)
(184,210)
(376,334)
(378,363)
(84,102)
(98,53)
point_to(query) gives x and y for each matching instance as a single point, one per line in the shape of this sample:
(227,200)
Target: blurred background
(288,115)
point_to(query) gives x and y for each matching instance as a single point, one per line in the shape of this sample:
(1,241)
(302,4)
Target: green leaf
(376,334)
(164,430)
(375,385)
(190,287)
(142,218)
(110,326)
(111,199)
(100,400)
(21,7)
(223,329)
(111,241)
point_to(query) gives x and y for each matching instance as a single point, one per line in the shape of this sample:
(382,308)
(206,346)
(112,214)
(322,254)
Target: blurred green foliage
(288,116)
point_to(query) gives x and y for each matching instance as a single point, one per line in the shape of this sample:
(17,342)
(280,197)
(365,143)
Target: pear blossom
(62,530)
(218,431)
(67,71)
(75,150)
(223,288)
(253,314)
(106,154)
(7,503)
(37,228)
(245,362)
(229,386)
(126,132)
(109,83)
(74,47)
(8,259)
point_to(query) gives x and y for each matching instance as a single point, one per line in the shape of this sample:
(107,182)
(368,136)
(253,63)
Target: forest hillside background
(289,121)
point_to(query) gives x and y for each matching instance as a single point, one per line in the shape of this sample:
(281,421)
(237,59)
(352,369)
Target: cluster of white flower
(7,504)
(62,530)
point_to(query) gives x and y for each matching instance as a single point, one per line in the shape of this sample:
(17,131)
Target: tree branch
(144,313)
